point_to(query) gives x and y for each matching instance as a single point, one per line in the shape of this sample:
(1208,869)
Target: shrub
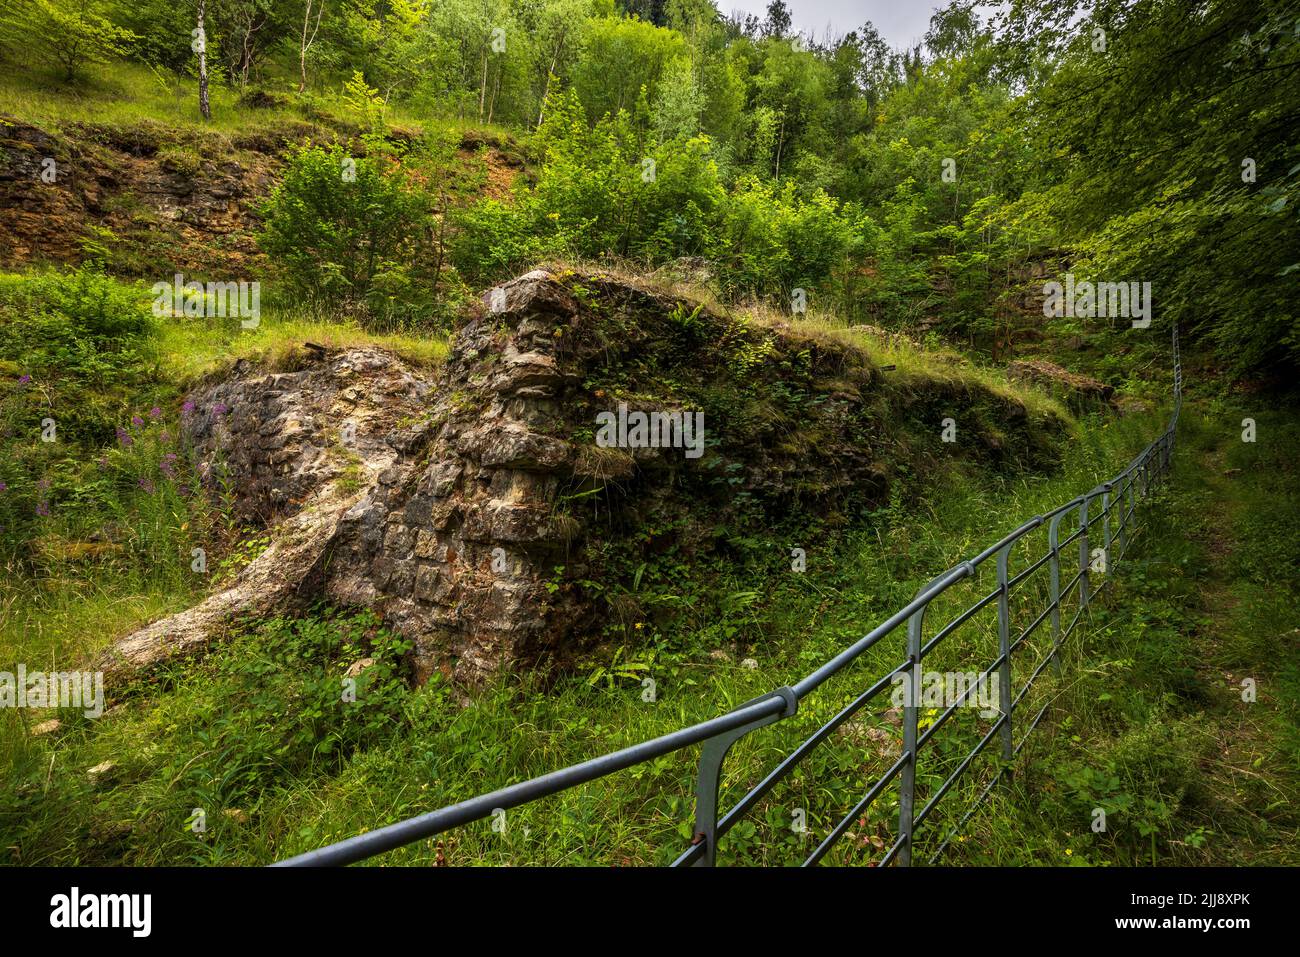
(353,235)
(77,365)
(604,190)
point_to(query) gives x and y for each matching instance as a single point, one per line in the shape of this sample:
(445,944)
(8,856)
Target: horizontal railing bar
(891,853)
(996,547)
(1033,676)
(938,722)
(1151,463)
(960,620)
(1026,572)
(970,812)
(1033,724)
(923,598)
(943,789)
(435,822)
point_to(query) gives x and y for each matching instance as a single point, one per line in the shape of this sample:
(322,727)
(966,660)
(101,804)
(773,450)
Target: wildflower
(155,412)
(145,484)
(165,438)
(168,465)
(220,409)
(43,509)
(3,486)
(124,438)
(187,407)
(24,379)
(137,421)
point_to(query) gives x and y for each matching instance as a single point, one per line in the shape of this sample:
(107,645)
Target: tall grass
(520,726)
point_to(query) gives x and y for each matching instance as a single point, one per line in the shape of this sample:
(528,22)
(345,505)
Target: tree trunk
(555,59)
(780,142)
(482,87)
(306,42)
(204,106)
(492,103)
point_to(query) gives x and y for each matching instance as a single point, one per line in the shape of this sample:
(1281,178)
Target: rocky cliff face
(173,201)
(469,507)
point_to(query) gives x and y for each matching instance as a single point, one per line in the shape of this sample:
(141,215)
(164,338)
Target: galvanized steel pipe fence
(1099,527)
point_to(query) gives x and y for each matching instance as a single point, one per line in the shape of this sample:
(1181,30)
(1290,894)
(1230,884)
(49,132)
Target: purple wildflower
(43,509)
(137,421)
(155,412)
(24,379)
(3,486)
(168,465)
(165,437)
(220,409)
(124,438)
(147,485)
(187,407)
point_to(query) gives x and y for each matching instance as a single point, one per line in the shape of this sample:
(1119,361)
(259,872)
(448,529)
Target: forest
(272,270)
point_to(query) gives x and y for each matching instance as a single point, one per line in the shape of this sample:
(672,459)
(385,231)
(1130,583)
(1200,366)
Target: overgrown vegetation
(907,203)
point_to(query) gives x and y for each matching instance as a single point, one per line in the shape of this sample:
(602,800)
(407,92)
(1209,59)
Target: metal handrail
(717,735)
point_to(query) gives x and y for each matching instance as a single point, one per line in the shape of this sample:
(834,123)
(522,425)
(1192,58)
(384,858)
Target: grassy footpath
(1153,728)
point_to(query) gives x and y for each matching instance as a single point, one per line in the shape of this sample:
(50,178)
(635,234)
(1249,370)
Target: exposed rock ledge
(443,499)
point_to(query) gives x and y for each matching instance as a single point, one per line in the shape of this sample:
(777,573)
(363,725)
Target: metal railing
(1111,523)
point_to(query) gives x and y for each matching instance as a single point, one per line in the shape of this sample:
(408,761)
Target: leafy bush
(774,241)
(605,190)
(600,190)
(86,443)
(352,234)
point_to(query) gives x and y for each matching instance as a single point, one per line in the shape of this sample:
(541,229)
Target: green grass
(192,349)
(112,556)
(439,752)
(252,733)
(1153,726)
(125,94)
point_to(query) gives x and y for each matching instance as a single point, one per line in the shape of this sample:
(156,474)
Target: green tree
(66,34)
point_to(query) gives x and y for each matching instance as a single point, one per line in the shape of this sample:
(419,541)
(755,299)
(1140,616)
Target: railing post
(1004,652)
(1053,542)
(1132,503)
(1083,552)
(911,703)
(1123,518)
(1105,527)
(710,773)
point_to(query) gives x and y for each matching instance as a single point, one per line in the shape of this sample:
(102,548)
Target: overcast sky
(900,22)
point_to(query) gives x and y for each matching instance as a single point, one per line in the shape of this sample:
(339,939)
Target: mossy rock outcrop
(476,507)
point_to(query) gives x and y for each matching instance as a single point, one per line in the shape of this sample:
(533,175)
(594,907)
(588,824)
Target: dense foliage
(929,187)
